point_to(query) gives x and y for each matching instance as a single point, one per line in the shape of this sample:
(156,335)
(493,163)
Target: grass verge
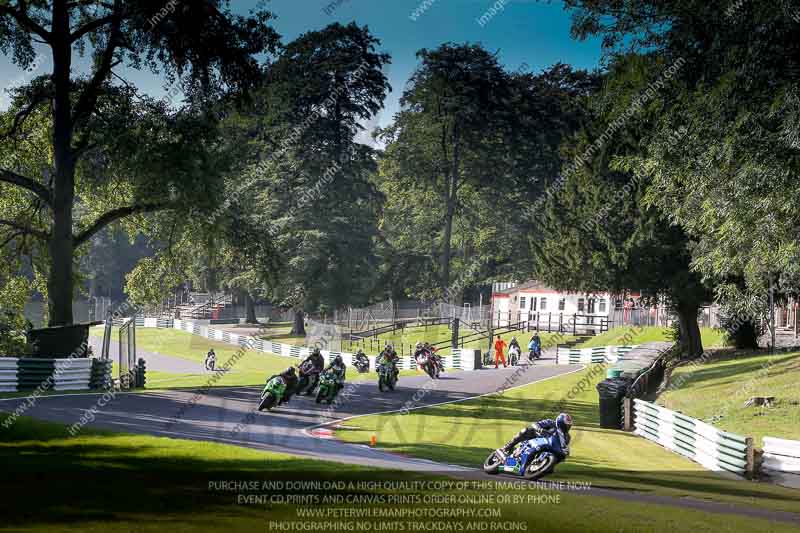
(717,390)
(638,335)
(100,481)
(464,433)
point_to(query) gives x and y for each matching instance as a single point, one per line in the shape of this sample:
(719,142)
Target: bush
(741,333)
(13,334)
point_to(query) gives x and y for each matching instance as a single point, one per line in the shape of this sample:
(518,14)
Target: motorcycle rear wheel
(492,463)
(537,469)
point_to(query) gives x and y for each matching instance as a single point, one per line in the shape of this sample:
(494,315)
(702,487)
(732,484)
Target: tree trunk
(59,283)
(249,309)
(690,342)
(446,252)
(452,198)
(299,325)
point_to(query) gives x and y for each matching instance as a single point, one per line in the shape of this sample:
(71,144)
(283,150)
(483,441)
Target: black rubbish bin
(611,392)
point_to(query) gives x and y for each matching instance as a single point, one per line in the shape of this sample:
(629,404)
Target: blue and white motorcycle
(531,459)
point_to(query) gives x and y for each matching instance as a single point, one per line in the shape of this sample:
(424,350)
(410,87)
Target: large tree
(450,136)
(101,132)
(730,180)
(597,232)
(319,194)
(504,165)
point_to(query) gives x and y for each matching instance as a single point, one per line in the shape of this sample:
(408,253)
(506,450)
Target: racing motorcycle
(531,459)
(308,378)
(387,376)
(513,356)
(427,362)
(535,353)
(327,387)
(361,362)
(273,393)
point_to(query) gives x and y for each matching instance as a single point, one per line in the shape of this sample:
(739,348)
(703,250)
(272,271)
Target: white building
(537,306)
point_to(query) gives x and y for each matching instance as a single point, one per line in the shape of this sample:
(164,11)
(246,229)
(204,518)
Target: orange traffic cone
(373,441)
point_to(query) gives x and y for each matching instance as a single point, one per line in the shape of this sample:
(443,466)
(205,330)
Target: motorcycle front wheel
(380,383)
(492,463)
(267,402)
(539,466)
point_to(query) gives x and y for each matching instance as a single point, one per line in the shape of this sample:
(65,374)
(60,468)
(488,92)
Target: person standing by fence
(499,346)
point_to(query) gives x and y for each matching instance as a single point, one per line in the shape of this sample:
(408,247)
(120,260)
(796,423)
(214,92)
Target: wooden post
(750,467)
(575,324)
(627,421)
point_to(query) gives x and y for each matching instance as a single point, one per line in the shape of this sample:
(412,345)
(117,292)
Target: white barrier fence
(17,375)
(781,461)
(703,443)
(460,359)
(8,374)
(588,356)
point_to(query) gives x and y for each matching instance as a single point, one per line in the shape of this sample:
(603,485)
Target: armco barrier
(703,443)
(781,461)
(588,356)
(455,360)
(8,374)
(64,374)
(28,373)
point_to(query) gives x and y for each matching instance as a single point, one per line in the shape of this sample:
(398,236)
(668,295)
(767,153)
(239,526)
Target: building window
(522,302)
(580,305)
(602,305)
(543,304)
(562,302)
(618,304)
(590,306)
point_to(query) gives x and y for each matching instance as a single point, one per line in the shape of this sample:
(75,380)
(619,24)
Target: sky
(526,34)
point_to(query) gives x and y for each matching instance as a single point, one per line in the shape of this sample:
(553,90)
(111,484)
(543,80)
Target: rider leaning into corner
(560,426)
(339,371)
(429,350)
(317,363)
(315,358)
(290,377)
(389,355)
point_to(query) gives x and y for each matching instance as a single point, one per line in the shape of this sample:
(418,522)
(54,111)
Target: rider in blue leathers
(560,426)
(535,346)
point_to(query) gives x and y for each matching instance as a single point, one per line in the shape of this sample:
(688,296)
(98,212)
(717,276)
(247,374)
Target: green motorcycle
(387,376)
(327,387)
(272,393)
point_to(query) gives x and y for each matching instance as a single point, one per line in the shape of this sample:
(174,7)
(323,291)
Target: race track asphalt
(228,415)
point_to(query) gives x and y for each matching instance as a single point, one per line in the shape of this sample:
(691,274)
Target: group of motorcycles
(531,459)
(310,379)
